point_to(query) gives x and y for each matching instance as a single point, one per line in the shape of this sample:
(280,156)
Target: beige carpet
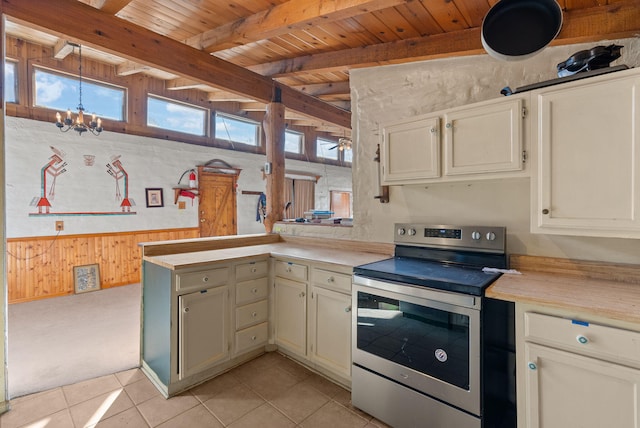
(64,340)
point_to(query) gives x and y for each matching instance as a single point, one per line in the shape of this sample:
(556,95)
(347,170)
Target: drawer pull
(254,270)
(253,338)
(205,279)
(532,365)
(254,314)
(582,339)
(330,279)
(288,268)
(254,290)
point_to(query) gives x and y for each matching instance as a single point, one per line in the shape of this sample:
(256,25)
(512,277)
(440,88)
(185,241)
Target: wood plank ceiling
(306,45)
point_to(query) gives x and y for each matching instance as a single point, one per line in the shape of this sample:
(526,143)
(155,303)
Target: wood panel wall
(42,267)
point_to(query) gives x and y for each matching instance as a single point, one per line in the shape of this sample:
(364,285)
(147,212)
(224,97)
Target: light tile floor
(271,391)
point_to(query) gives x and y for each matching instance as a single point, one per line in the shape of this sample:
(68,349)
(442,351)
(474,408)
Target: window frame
(258,129)
(205,115)
(300,145)
(318,142)
(13,63)
(85,81)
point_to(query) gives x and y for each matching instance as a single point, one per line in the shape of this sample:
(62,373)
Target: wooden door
(217,205)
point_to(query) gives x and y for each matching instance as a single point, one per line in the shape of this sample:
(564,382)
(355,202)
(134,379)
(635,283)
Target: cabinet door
(203,328)
(568,390)
(588,175)
(484,138)
(410,150)
(291,315)
(331,330)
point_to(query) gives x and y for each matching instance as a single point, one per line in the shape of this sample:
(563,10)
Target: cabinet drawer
(333,280)
(251,314)
(251,270)
(251,337)
(202,279)
(291,270)
(609,343)
(250,291)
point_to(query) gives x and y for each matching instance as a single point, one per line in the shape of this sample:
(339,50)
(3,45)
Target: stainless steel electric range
(429,349)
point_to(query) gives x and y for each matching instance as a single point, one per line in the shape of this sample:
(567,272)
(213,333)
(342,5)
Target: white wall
(150,163)
(398,91)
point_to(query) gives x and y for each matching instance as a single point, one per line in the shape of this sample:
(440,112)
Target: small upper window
(293,142)
(10,82)
(176,116)
(326,149)
(61,92)
(348,155)
(237,130)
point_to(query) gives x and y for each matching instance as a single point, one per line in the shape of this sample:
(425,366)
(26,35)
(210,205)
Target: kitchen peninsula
(210,304)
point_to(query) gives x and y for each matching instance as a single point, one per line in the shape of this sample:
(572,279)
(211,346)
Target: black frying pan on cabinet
(519,29)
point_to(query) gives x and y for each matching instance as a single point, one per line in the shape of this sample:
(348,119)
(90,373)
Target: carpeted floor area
(64,340)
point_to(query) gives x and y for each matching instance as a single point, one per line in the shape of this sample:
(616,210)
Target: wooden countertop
(320,254)
(604,289)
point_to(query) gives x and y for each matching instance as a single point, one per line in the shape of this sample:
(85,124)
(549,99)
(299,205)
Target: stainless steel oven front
(427,340)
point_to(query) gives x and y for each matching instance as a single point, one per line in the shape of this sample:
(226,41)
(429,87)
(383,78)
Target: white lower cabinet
(574,372)
(203,330)
(330,326)
(290,317)
(569,390)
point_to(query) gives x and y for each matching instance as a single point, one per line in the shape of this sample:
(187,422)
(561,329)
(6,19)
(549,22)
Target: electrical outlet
(59,225)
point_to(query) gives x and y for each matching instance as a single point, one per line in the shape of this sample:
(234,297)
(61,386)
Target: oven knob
(401,231)
(491,236)
(412,232)
(475,236)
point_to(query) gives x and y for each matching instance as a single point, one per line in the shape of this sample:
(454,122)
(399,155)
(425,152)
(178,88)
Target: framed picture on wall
(154,198)
(86,278)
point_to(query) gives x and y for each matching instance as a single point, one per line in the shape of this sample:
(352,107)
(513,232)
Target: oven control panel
(477,238)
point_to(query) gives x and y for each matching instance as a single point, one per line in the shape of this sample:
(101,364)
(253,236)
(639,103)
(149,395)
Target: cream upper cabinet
(574,372)
(587,136)
(484,138)
(410,150)
(479,141)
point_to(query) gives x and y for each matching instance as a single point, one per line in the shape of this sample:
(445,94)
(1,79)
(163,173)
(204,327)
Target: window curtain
(301,194)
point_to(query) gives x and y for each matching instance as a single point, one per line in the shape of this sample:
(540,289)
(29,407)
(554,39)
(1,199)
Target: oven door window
(429,340)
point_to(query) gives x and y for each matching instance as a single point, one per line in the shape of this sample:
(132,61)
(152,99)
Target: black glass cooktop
(427,273)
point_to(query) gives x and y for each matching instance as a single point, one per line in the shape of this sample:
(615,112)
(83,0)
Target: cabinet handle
(448,125)
(288,268)
(545,211)
(303,294)
(205,279)
(186,310)
(583,340)
(330,279)
(254,290)
(253,338)
(532,365)
(347,309)
(254,270)
(254,314)
(433,130)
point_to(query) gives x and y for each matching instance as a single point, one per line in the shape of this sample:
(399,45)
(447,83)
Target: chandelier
(77,124)
(344,143)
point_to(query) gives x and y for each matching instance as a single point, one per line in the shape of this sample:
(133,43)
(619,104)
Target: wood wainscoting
(42,267)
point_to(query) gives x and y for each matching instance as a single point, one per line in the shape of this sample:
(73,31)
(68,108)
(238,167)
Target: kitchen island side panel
(156,320)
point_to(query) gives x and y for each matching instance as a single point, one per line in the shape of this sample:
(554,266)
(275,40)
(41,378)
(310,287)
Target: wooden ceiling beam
(227,96)
(282,19)
(110,6)
(181,83)
(128,68)
(111,34)
(319,89)
(617,20)
(62,49)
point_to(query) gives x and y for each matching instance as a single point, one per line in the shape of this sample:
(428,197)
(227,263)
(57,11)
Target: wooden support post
(274,128)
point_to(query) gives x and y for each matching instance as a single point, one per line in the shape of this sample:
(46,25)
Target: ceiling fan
(344,143)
